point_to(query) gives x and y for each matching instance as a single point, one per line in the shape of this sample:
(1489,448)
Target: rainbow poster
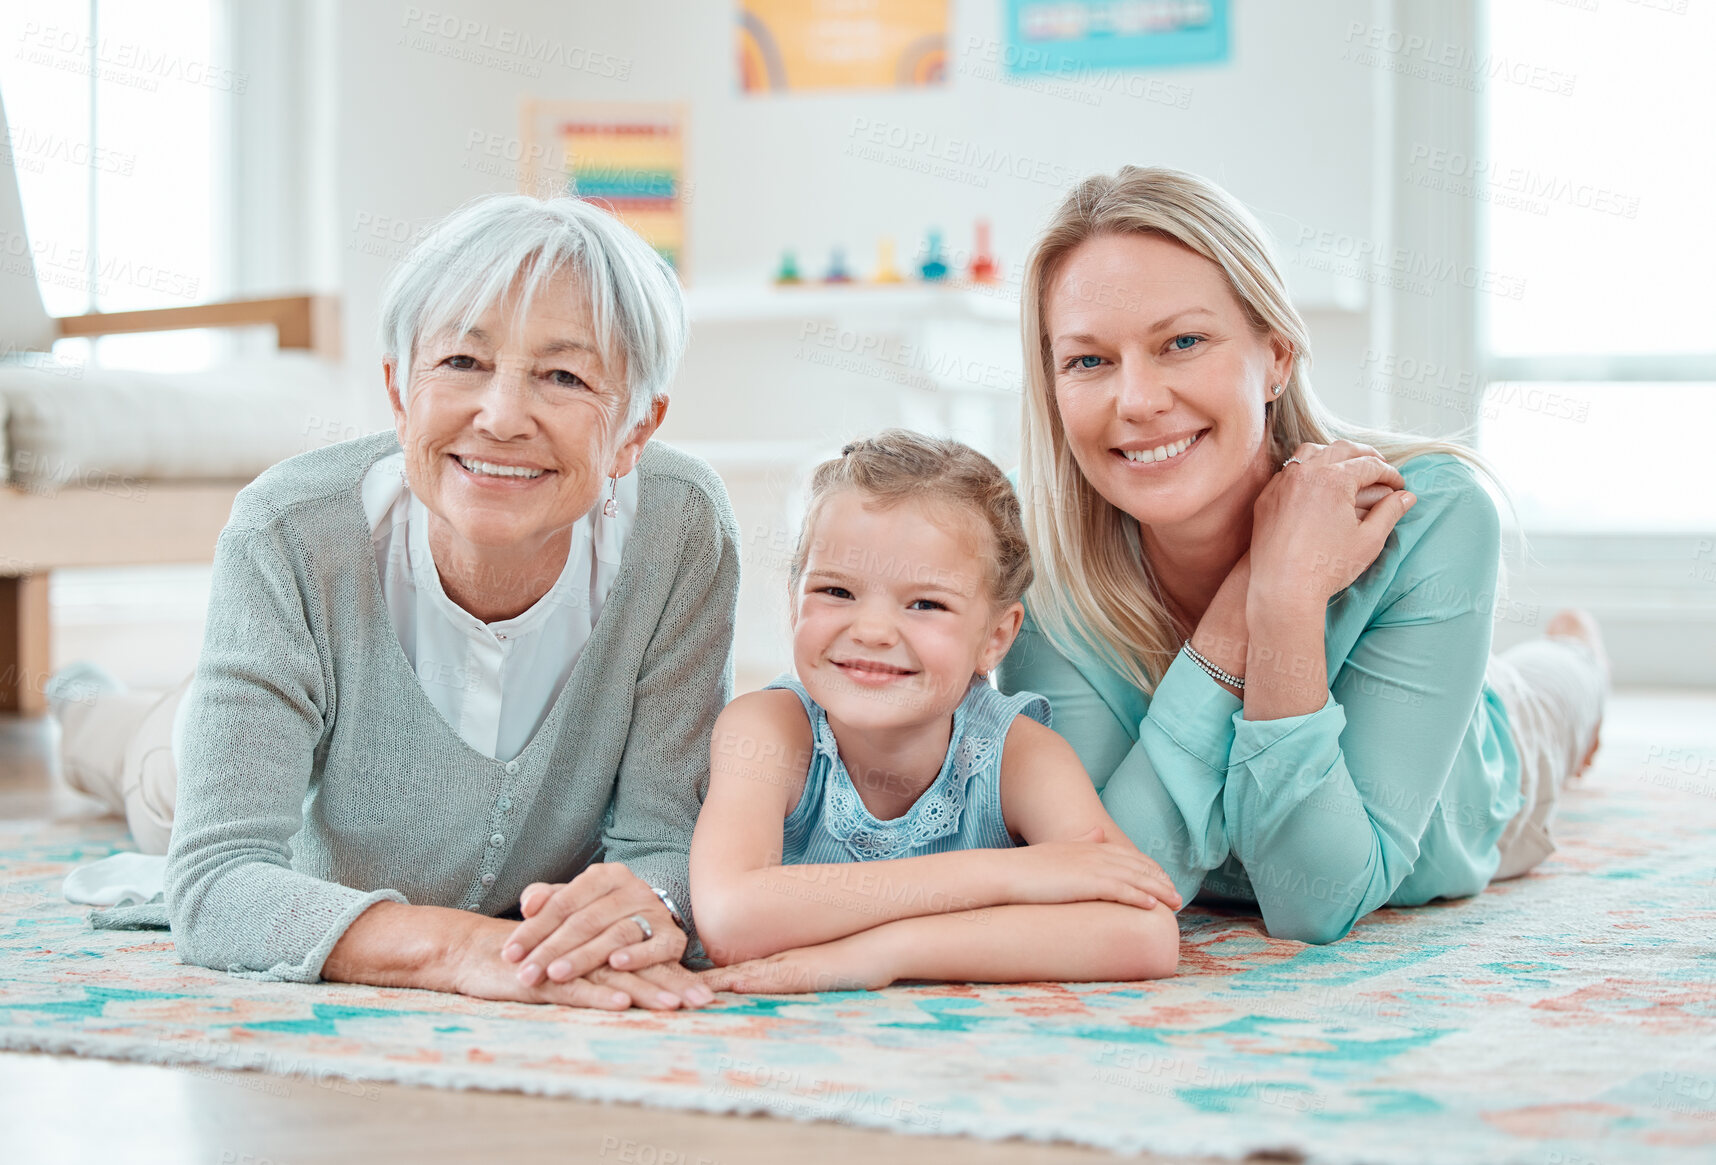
(841,44)
(628,157)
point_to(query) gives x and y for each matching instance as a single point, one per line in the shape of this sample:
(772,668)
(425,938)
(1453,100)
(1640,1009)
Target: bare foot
(1577,623)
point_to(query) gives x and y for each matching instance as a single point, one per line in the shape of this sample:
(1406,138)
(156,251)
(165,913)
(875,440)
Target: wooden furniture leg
(24,659)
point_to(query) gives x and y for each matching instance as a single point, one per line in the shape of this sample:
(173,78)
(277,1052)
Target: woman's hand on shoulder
(1320,523)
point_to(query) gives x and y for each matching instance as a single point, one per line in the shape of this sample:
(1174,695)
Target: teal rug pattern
(1564,1018)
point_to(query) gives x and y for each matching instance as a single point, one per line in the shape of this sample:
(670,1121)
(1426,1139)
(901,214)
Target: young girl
(864,821)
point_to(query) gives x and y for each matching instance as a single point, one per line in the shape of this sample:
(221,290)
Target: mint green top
(1394,792)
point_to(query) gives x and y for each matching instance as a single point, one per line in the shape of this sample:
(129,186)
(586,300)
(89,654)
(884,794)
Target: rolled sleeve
(1252,738)
(1195,713)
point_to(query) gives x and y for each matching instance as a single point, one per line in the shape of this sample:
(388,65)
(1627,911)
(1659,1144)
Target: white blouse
(493,683)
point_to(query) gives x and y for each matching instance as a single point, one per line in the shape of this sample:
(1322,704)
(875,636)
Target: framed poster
(628,156)
(1065,37)
(841,44)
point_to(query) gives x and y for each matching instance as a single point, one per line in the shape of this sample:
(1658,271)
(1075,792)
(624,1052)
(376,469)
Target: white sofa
(110,468)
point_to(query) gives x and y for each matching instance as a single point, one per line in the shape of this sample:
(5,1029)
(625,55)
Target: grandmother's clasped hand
(608,923)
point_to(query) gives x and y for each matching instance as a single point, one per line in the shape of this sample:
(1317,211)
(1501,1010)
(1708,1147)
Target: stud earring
(1277,390)
(611,507)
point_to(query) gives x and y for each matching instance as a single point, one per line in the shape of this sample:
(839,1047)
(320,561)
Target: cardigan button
(512,766)
(488,879)
(504,804)
(496,839)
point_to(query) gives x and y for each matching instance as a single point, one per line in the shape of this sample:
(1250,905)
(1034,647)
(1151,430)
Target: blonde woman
(1266,632)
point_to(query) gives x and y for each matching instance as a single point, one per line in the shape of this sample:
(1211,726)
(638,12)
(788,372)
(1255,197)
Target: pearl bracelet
(1214,672)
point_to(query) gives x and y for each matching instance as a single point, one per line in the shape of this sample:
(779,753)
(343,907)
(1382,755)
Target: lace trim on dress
(934,815)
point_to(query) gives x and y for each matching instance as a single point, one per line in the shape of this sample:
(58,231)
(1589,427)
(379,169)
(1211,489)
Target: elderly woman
(457,668)
(1267,633)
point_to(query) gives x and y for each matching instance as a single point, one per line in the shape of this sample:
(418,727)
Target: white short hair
(471,259)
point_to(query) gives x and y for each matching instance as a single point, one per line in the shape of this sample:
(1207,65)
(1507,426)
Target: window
(1602,374)
(114,110)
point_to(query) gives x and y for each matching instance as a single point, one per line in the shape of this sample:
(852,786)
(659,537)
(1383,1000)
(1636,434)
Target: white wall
(1285,125)
(405,111)
(426,114)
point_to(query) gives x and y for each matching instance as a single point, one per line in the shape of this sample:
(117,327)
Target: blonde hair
(898,465)
(1094,585)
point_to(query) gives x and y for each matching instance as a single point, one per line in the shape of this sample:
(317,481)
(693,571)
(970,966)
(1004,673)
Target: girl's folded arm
(1046,799)
(1064,941)
(747,904)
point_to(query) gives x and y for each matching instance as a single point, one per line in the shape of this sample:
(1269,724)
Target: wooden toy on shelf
(934,268)
(984,269)
(886,272)
(837,272)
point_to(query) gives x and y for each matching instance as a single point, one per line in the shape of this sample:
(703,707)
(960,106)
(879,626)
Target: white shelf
(748,303)
(742,303)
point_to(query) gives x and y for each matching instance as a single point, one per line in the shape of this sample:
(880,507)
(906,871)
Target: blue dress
(960,810)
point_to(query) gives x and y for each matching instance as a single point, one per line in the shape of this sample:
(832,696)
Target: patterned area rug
(1566,1018)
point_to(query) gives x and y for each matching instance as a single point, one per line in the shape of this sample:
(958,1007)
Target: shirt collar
(564,591)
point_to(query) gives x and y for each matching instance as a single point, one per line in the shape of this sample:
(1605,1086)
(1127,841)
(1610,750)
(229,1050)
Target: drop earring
(611,507)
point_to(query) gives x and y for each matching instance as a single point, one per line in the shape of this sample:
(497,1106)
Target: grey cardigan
(316,779)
